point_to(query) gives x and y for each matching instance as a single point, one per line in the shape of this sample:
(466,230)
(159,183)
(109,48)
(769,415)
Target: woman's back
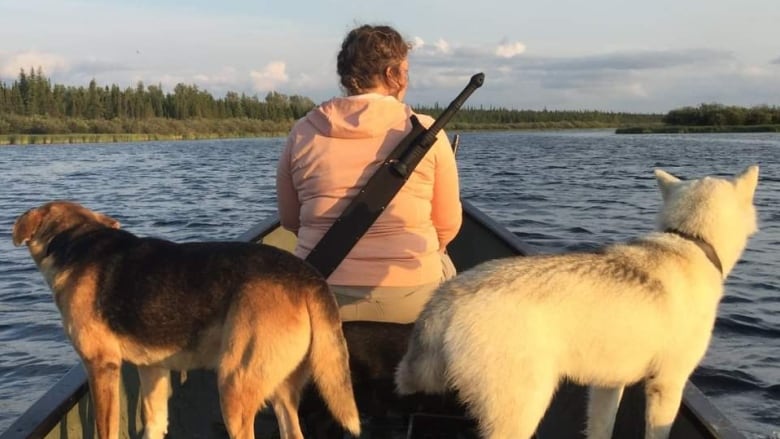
(331,154)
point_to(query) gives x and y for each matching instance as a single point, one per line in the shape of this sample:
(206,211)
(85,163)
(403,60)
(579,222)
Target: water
(557,190)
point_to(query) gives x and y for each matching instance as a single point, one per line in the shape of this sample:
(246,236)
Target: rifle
(380,189)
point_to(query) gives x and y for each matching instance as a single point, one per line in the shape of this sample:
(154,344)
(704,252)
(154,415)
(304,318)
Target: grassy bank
(559,125)
(51,139)
(38,130)
(693,129)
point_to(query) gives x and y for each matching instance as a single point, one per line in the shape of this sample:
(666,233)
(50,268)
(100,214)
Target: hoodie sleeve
(288,204)
(447,212)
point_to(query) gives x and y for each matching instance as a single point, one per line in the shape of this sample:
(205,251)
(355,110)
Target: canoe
(65,411)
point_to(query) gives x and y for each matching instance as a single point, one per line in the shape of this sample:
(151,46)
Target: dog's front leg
(155,391)
(103,379)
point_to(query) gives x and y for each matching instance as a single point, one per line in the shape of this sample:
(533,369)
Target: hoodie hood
(359,117)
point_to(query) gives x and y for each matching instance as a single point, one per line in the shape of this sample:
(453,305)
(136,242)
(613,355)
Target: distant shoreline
(699,129)
(75,139)
(84,138)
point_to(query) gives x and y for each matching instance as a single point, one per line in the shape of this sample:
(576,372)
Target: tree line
(33,94)
(501,117)
(723,115)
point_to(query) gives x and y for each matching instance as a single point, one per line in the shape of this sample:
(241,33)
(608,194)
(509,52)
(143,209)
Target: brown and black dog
(263,319)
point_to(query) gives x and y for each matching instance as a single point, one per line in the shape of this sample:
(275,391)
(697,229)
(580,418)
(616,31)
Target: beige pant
(388,304)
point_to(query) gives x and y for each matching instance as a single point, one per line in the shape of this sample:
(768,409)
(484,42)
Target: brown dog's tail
(329,360)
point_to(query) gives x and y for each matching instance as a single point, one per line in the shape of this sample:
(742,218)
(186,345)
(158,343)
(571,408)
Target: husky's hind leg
(603,403)
(509,409)
(664,394)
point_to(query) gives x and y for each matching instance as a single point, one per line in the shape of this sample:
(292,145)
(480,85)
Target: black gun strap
(362,212)
(380,189)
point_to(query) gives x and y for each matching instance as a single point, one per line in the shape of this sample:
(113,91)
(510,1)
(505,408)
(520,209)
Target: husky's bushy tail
(423,367)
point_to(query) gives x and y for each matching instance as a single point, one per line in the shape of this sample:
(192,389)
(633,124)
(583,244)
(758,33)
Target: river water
(568,190)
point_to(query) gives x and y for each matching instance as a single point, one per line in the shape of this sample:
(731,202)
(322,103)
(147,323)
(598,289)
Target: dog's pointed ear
(746,182)
(26,226)
(666,182)
(108,221)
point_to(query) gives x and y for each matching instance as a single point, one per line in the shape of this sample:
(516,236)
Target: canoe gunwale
(700,408)
(501,232)
(49,409)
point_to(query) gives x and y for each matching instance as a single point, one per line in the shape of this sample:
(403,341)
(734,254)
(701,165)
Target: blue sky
(617,55)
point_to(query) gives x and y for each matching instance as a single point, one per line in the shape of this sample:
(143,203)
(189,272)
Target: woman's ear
(391,78)
(396,81)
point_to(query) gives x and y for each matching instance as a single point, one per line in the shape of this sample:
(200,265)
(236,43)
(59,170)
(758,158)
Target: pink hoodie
(331,153)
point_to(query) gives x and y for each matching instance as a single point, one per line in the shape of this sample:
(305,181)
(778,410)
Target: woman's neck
(380,89)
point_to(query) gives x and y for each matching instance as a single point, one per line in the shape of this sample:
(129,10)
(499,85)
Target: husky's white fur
(505,333)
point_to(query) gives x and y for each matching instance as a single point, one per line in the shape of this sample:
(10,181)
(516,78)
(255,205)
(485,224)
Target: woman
(330,155)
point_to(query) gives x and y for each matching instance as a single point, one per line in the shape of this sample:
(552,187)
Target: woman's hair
(366,53)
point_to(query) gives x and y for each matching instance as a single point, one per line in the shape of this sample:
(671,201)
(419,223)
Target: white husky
(505,333)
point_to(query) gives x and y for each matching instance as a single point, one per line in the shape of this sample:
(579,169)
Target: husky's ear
(746,182)
(666,182)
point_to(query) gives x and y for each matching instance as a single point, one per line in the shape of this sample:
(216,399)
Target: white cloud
(226,77)
(48,62)
(509,50)
(630,80)
(755,71)
(436,50)
(637,89)
(270,78)
(443,46)
(306,83)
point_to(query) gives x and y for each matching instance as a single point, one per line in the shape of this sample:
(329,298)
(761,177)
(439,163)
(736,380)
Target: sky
(607,55)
